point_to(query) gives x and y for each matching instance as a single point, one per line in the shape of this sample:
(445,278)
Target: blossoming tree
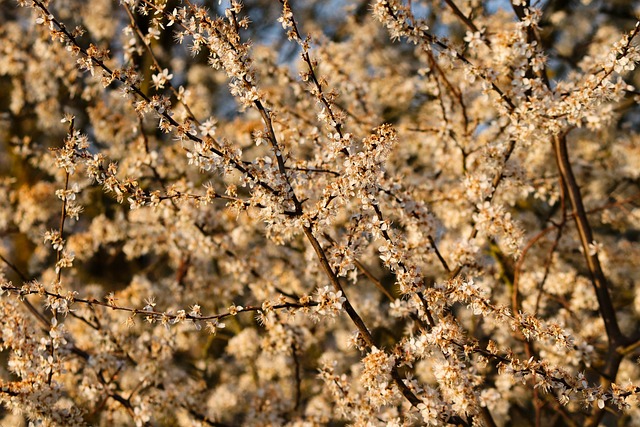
(306,213)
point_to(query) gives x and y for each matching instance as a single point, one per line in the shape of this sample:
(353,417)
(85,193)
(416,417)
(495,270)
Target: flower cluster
(287,214)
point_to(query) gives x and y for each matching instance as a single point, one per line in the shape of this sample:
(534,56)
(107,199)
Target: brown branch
(364,270)
(266,118)
(467,21)
(444,263)
(547,268)
(157,66)
(518,268)
(600,284)
(494,183)
(353,315)
(147,313)
(435,41)
(74,45)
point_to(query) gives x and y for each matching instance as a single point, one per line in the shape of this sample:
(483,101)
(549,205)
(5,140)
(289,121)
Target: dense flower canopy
(319,213)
